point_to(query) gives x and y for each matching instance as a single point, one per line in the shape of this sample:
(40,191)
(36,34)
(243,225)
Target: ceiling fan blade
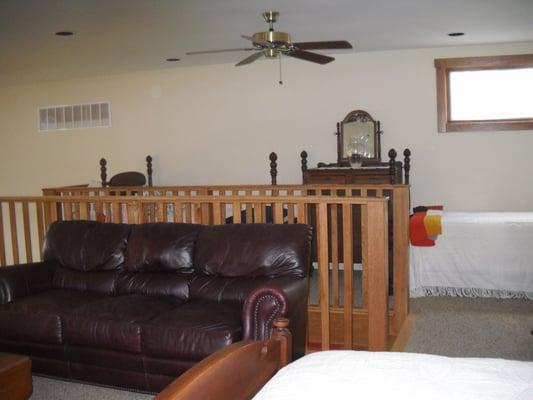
(251,39)
(308,56)
(218,51)
(334,44)
(251,59)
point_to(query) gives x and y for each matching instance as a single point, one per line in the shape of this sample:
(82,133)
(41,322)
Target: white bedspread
(478,255)
(331,375)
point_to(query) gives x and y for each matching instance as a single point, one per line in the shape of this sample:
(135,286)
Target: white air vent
(58,118)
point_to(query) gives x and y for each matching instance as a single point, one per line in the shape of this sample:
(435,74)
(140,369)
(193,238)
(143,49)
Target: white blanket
(331,375)
(478,255)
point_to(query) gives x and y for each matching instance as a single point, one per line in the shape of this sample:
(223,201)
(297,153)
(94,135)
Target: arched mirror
(358,133)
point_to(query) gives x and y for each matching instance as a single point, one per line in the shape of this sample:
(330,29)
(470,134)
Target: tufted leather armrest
(282,297)
(24,279)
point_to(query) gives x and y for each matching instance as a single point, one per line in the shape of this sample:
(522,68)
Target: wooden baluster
(99,211)
(236,212)
(406,165)
(258,213)
(364,257)
(14,235)
(217,216)
(188,213)
(376,227)
(334,235)
(277,209)
(392,166)
(290,213)
(178,212)
(400,257)
(273,168)
(302,213)
(51,210)
(103,172)
(249,209)
(323,267)
(160,212)
(134,212)
(27,231)
(67,210)
(40,224)
(2,240)
(107,208)
(347,234)
(116,212)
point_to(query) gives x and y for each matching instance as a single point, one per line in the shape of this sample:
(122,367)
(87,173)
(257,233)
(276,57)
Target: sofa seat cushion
(113,323)
(38,318)
(193,330)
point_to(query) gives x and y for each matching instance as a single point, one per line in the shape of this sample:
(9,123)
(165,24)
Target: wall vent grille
(60,118)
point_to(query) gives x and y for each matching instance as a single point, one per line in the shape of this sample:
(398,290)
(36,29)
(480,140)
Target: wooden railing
(398,221)
(333,322)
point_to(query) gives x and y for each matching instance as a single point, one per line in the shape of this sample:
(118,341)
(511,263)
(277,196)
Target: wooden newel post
(392,166)
(303,155)
(281,333)
(407,165)
(273,168)
(103,172)
(149,169)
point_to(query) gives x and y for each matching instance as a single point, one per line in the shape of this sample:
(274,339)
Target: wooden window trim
(446,65)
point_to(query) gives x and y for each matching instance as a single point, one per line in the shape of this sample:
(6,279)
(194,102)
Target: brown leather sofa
(137,305)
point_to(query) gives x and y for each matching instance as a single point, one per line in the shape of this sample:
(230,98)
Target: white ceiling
(114,36)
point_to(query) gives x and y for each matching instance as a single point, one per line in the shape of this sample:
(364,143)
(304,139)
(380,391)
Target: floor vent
(60,118)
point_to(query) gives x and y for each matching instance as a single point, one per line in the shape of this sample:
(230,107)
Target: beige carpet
(466,327)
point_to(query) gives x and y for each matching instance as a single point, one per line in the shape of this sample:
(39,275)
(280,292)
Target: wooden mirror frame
(362,116)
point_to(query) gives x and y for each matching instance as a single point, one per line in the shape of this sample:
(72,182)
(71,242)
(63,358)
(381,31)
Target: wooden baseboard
(405,333)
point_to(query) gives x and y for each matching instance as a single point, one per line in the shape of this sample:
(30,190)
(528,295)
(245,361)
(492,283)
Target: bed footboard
(236,372)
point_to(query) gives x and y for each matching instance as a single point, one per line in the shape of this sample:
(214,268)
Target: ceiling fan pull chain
(280,77)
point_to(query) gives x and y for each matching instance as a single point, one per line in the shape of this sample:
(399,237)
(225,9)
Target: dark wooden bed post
(103,172)
(406,165)
(273,168)
(303,156)
(149,169)
(283,335)
(392,166)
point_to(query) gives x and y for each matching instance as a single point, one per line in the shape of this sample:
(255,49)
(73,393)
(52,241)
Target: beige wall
(217,124)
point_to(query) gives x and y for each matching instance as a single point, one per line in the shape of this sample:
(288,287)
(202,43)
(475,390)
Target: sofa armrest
(262,306)
(280,297)
(24,279)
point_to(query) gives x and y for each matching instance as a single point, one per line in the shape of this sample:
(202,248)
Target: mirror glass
(358,138)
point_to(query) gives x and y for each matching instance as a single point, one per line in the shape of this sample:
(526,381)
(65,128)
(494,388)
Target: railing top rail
(225,187)
(197,199)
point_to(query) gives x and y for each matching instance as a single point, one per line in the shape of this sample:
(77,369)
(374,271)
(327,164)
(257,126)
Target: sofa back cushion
(254,250)
(86,245)
(161,247)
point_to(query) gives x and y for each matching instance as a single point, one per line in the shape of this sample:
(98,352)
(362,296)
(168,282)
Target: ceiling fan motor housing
(273,41)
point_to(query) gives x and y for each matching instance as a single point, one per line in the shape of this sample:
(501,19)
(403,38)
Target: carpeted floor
(53,389)
(450,326)
(465,327)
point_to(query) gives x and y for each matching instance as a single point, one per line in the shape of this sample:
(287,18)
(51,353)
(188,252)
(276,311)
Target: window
(485,93)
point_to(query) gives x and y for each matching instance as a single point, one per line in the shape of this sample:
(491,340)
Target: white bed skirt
(486,254)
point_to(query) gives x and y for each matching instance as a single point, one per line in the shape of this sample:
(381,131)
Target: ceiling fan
(272,44)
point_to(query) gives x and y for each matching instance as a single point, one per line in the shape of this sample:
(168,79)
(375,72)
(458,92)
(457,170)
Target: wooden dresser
(347,175)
